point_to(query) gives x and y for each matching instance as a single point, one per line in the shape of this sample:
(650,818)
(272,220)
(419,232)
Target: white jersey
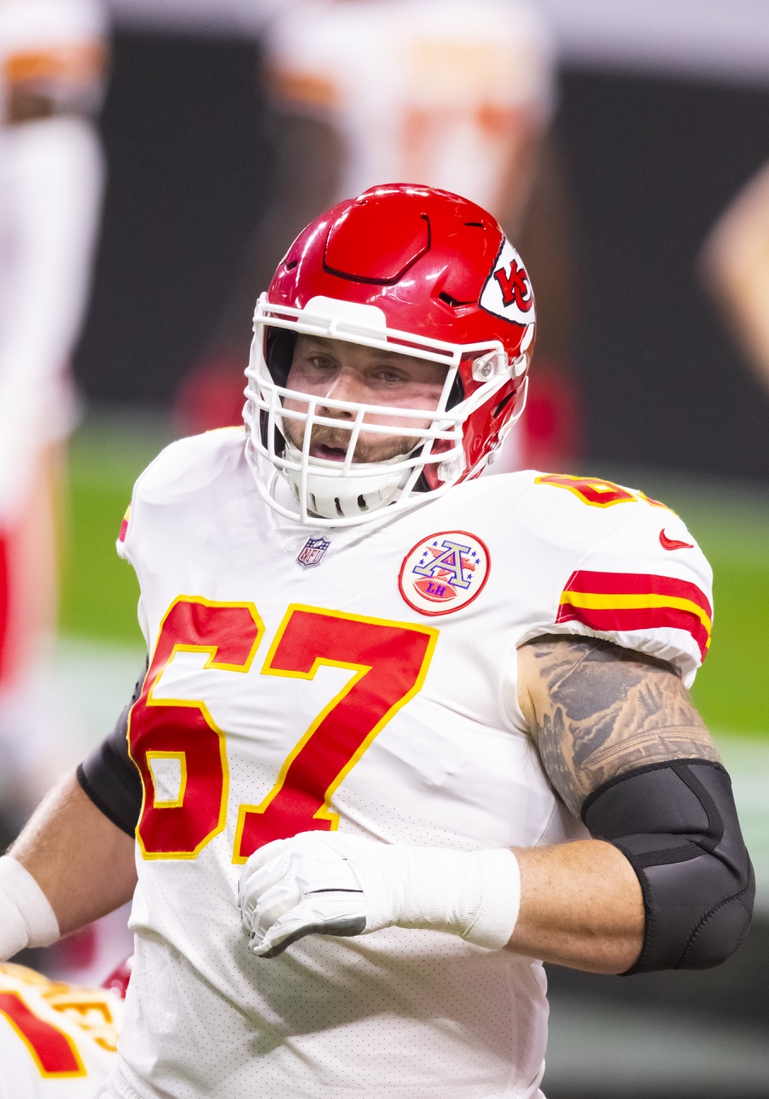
(422,91)
(57,1041)
(363,679)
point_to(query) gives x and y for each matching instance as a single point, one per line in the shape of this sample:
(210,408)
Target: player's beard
(381,449)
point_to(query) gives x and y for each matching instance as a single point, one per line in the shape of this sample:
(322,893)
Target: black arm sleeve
(109,776)
(676,823)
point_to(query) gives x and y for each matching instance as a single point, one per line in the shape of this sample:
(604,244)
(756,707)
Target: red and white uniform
(57,1041)
(372,689)
(442,92)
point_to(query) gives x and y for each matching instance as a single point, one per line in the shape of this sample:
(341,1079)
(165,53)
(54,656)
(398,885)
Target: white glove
(332,884)
(26,916)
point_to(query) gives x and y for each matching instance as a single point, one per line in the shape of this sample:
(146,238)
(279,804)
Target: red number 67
(390,661)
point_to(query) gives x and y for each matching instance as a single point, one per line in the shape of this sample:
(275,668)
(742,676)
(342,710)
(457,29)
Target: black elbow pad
(676,823)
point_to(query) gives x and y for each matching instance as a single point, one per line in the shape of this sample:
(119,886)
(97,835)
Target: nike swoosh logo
(673,543)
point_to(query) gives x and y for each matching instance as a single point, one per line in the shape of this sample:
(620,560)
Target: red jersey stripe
(607,621)
(623,601)
(637,583)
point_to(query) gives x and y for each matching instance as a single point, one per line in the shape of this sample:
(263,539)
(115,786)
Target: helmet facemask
(343,492)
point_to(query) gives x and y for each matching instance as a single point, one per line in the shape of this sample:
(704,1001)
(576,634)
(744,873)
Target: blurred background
(623,147)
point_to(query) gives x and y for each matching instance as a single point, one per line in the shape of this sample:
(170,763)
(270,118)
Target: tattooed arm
(595,711)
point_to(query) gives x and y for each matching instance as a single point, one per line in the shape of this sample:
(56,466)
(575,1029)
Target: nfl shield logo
(312,552)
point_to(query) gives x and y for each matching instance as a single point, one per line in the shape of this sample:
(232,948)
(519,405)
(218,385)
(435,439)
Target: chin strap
(344,497)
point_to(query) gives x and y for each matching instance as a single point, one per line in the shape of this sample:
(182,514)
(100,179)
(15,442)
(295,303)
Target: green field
(99,591)
(731,522)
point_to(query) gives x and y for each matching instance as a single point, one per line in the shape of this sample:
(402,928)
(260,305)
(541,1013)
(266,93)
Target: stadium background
(654,143)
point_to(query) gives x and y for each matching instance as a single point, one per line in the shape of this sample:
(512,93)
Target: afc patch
(444,572)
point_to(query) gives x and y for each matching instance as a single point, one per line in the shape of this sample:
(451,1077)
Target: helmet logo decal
(444,572)
(507,292)
(515,287)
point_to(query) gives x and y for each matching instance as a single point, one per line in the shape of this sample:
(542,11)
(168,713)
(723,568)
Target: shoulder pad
(181,470)
(639,579)
(190,464)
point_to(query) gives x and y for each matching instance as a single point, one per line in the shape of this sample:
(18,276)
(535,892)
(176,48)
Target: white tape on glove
(331,884)
(26,916)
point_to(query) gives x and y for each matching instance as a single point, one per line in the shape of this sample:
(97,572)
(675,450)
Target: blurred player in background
(426,89)
(52,65)
(57,1041)
(735,265)
(453,94)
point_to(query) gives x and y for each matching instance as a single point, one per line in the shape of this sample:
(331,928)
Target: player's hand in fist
(332,884)
(301,886)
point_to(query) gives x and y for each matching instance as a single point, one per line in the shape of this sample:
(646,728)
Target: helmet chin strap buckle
(450,469)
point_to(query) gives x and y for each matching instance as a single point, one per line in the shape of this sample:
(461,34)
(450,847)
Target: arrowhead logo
(507,292)
(515,287)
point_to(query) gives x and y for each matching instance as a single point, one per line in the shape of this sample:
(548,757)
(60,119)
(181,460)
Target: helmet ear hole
(279,353)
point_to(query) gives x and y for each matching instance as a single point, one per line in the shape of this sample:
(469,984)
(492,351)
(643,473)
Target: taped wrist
(26,916)
(474,895)
(677,825)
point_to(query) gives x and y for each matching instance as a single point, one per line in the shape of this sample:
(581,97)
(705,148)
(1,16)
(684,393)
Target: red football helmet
(407,269)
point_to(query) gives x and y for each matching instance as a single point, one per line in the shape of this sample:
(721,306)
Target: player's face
(362,375)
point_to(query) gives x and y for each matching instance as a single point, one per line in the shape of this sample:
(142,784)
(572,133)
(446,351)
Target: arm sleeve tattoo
(601,711)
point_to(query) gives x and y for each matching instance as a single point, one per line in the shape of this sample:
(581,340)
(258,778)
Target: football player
(52,61)
(404,733)
(57,1041)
